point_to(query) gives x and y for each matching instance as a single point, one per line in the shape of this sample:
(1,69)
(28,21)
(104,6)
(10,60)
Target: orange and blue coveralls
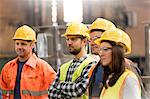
(36,77)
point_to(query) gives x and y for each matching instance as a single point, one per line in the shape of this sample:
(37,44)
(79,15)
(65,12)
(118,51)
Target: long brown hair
(118,64)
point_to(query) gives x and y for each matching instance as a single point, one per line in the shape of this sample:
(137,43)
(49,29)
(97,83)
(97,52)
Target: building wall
(137,33)
(12,13)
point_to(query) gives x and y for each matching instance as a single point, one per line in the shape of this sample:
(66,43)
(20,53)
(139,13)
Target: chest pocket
(32,80)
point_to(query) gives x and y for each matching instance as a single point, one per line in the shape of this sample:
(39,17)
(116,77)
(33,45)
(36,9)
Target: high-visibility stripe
(34,93)
(7,92)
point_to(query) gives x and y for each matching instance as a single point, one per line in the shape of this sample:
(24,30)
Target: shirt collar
(32,61)
(80,59)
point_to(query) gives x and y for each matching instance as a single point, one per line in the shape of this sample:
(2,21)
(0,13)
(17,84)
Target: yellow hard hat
(102,24)
(76,28)
(118,36)
(25,33)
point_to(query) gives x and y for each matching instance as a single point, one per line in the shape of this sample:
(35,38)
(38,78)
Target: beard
(74,51)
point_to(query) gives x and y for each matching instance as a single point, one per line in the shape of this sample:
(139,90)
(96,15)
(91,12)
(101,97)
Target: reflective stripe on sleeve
(7,92)
(34,93)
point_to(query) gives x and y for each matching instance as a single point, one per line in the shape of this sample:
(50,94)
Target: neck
(25,58)
(81,53)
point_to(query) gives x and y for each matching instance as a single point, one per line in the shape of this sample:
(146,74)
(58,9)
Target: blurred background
(49,19)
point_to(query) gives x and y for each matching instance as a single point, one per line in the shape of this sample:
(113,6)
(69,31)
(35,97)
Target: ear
(33,44)
(85,40)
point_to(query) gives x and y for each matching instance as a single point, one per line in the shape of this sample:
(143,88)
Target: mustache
(70,46)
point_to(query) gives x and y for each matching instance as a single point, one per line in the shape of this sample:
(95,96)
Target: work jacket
(64,68)
(116,91)
(36,77)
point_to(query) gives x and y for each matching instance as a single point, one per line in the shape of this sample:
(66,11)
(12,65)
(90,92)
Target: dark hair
(29,40)
(118,64)
(25,40)
(79,36)
(82,37)
(93,30)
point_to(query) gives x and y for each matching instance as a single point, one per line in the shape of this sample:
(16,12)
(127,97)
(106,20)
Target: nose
(100,52)
(69,42)
(18,46)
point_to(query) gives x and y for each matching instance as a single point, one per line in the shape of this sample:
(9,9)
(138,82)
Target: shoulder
(11,63)
(131,88)
(131,81)
(41,61)
(43,64)
(9,66)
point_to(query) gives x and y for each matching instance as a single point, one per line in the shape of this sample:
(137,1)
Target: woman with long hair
(119,82)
